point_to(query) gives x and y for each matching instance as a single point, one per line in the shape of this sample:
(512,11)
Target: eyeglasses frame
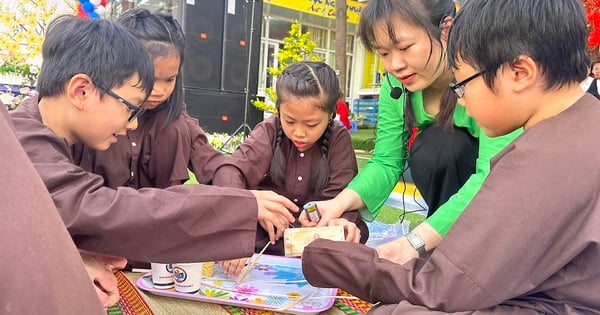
(137,111)
(459,87)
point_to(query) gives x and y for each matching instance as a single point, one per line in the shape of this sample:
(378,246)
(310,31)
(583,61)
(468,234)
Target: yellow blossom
(22,26)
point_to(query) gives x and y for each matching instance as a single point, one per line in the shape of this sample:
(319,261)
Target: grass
(363,139)
(391,215)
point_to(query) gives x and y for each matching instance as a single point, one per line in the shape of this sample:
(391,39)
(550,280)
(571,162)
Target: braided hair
(302,80)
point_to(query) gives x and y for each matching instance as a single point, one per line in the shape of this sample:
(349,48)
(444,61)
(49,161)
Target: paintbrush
(251,264)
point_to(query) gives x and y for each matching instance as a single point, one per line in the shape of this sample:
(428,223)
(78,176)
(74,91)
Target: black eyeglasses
(459,87)
(136,111)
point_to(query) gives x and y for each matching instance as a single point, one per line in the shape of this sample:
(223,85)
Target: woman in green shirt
(410,38)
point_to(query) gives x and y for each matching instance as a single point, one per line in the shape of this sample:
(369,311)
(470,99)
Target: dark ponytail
(445,117)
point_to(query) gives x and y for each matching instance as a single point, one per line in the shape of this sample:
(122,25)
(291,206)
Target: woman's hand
(328,209)
(346,200)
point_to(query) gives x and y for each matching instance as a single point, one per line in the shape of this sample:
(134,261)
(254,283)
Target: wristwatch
(417,243)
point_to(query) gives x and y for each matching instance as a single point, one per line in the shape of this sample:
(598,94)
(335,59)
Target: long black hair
(162,36)
(307,79)
(428,15)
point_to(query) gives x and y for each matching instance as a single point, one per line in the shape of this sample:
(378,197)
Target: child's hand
(351,231)
(274,213)
(101,270)
(233,267)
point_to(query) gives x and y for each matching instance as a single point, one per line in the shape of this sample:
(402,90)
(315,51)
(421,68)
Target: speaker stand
(244,127)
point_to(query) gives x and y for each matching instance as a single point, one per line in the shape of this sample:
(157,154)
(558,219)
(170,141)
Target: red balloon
(103,2)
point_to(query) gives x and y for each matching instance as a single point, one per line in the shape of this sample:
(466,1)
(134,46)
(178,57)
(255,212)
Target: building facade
(274,18)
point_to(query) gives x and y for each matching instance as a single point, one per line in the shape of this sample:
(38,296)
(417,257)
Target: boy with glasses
(94,77)
(528,243)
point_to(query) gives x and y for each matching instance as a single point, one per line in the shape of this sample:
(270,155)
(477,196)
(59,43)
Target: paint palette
(275,283)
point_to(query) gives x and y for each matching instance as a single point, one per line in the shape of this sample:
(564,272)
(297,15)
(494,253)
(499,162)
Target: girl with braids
(301,153)
(449,158)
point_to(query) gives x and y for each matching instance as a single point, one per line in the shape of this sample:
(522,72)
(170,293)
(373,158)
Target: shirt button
(296,200)
(301,154)
(300,178)
(133,144)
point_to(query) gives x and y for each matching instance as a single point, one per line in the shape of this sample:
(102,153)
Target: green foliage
(26,71)
(297,46)
(225,142)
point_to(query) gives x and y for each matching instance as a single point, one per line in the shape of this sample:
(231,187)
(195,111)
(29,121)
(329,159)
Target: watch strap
(417,243)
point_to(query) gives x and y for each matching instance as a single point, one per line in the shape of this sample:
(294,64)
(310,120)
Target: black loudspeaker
(202,63)
(237,31)
(203,27)
(218,44)
(220,111)
(220,71)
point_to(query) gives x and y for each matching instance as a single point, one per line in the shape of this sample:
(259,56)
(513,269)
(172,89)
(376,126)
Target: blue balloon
(88,7)
(94,15)
(83,1)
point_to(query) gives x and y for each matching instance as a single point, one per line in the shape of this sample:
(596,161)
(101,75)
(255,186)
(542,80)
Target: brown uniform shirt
(528,243)
(152,155)
(184,223)
(248,167)
(44,273)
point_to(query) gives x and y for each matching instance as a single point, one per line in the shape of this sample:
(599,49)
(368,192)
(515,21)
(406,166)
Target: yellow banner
(325,8)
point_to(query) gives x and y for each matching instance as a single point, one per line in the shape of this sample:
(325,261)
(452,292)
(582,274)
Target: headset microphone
(395,92)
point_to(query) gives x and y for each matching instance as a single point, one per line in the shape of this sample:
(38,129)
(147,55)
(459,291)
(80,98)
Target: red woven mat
(348,306)
(351,306)
(130,301)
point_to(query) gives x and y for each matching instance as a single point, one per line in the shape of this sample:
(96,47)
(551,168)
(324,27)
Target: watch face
(416,241)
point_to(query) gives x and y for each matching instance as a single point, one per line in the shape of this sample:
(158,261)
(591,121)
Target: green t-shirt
(375,182)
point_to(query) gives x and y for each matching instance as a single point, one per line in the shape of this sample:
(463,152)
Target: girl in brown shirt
(300,153)
(158,152)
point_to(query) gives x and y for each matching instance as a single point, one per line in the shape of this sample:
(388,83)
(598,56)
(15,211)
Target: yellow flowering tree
(297,46)
(22,25)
